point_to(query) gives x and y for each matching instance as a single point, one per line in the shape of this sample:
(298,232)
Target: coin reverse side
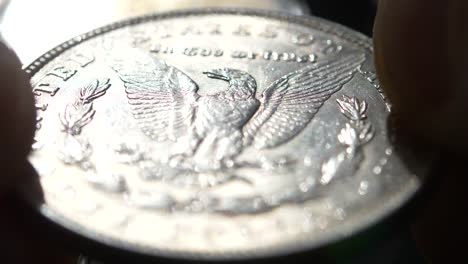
(215,134)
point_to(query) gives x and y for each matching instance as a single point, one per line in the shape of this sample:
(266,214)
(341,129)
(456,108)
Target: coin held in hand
(219,134)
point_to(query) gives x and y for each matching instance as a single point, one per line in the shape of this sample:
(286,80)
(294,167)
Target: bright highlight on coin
(215,134)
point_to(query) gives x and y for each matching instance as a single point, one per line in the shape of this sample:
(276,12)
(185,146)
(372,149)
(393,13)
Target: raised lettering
(238,54)
(303,39)
(82,59)
(269,32)
(214,29)
(191,52)
(331,47)
(191,30)
(242,30)
(205,52)
(38,122)
(62,72)
(42,107)
(50,89)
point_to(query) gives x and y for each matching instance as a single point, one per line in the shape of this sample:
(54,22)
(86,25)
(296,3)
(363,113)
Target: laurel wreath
(357,132)
(76,149)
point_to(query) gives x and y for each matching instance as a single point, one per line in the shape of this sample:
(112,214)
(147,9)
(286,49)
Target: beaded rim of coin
(315,23)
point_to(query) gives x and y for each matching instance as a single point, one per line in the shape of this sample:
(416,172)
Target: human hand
(422,61)
(19,240)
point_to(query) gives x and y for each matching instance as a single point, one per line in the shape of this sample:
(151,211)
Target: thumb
(17,117)
(422,62)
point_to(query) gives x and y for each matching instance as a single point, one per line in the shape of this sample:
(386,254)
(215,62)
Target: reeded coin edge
(345,230)
(316,23)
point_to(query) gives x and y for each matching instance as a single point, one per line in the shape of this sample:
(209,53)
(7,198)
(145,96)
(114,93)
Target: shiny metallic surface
(215,134)
(47,23)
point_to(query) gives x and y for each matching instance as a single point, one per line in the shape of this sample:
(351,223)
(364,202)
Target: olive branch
(78,114)
(76,149)
(357,132)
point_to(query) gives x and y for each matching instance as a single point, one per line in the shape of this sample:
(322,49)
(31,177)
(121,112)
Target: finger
(422,62)
(439,228)
(423,67)
(17,117)
(24,238)
(22,243)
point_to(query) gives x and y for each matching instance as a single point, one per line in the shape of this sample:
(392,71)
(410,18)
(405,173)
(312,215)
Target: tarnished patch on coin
(215,134)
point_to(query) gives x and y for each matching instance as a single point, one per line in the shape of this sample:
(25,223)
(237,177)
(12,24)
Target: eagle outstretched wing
(162,98)
(291,102)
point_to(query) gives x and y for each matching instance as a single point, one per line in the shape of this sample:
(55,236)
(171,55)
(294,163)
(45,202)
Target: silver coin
(215,134)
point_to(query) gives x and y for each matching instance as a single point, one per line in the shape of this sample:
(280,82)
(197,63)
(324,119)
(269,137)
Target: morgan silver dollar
(215,134)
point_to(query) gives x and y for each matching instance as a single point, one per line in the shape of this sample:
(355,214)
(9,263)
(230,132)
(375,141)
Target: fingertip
(17,116)
(411,51)
(414,60)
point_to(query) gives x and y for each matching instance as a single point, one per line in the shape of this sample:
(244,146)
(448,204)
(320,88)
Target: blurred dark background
(356,14)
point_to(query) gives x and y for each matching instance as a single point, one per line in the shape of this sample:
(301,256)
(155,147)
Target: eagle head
(238,80)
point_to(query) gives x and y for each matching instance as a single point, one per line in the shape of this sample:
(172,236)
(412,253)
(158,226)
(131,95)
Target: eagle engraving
(210,131)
